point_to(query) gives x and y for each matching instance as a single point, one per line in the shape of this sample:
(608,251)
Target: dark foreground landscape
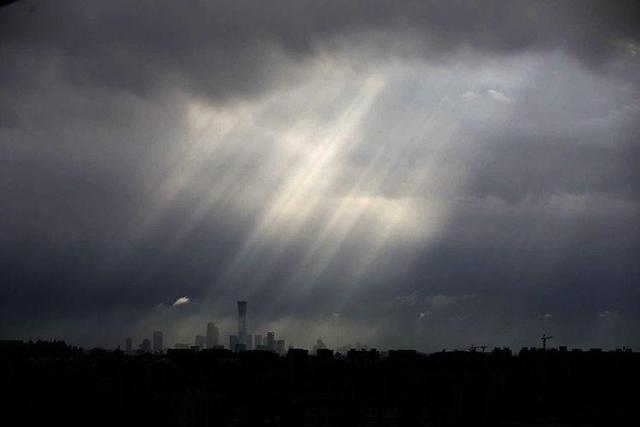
(46,382)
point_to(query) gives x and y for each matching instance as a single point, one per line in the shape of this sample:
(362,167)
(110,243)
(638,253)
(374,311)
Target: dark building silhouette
(145,346)
(213,336)
(319,345)
(242,322)
(49,383)
(271,341)
(200,341)
(324,354)
(158,345)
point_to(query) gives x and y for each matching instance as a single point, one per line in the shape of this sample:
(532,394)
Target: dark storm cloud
(222,48)
(102,189)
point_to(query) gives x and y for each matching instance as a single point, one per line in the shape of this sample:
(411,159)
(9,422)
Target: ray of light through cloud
(457,171)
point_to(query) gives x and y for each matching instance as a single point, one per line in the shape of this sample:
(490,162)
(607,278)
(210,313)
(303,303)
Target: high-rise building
(271,341)
(280,347)
(145,346)
(233,342)
(319,345)
(248,345)
(157,341)
(129,345)
(200,341)
(242,322)
(213,336)
(257,340)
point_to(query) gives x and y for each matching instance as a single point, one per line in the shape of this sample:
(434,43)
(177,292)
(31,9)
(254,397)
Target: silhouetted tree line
(50,382)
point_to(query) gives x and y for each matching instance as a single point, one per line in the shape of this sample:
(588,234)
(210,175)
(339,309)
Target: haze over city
(397,174)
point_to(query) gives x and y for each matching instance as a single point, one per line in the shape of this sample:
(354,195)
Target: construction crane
(544,339)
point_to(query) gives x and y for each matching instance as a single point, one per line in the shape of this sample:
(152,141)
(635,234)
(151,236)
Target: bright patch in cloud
(441,301)
(498,96)
(181,301)
(470,96)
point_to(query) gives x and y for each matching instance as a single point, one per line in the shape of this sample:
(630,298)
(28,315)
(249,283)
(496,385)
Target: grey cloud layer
(229,47)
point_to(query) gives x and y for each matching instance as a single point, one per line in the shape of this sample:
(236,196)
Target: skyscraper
(242,322)
(129,345)
(145,347)
(271,341)
(200,341)
(233,342)
(213,337)
(257,340)
(320,345)
(157,341)
(248,345)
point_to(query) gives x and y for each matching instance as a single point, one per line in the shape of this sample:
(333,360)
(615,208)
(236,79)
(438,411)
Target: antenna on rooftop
(336,318)
(544,339)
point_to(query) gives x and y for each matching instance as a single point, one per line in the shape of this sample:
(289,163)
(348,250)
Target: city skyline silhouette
(320,212)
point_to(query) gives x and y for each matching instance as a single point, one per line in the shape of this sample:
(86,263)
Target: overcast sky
(426,174)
